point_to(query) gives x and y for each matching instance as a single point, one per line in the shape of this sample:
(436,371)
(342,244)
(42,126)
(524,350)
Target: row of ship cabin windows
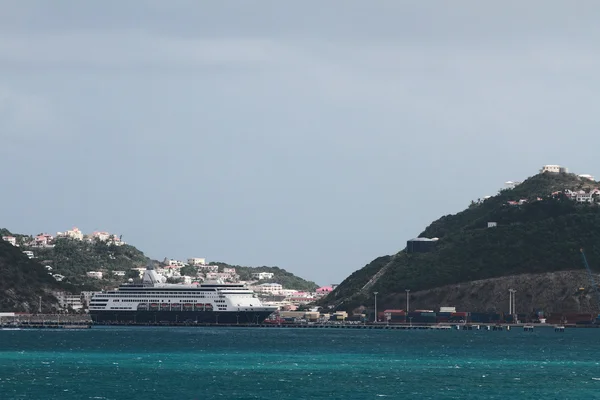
(154,294)
(129,296)
(153,301)
(147,301)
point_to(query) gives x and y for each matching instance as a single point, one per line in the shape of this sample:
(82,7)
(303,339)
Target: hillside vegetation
(73,258)
(539,236)
(24,281)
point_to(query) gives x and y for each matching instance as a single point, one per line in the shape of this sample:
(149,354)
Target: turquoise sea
(268,363)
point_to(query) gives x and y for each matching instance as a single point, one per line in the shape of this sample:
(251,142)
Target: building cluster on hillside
(45,240)
(102,236)
(579,196)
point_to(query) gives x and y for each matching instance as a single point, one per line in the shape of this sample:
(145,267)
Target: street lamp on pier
(512,308)
(375,293)
(407,299)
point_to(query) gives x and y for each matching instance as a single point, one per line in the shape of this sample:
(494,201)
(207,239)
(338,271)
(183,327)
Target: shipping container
(480,317)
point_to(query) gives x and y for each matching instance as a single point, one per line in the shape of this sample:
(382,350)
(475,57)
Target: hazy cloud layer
(315,136)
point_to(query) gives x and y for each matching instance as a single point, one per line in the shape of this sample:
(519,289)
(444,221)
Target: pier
(60,321)
(46,321)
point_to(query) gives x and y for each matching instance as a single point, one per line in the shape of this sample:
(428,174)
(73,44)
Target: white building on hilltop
(173,263)
(10,239)
(209,268)
(69,301)
(587,176)
(74,233)
(511,184)
(553,168)
(262,275)
(196,261)
(94,274)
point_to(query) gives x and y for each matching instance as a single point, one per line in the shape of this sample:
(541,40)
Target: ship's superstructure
(154,301)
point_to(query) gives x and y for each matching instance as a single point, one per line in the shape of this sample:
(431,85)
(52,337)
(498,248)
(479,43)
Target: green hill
(542,235)
(24,281)
(287,279)
(73,258)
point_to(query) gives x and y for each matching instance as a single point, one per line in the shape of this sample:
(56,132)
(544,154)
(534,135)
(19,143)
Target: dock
(70,322)
(46,321)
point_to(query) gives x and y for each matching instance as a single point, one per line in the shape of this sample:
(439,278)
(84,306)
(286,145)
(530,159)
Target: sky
(315,136)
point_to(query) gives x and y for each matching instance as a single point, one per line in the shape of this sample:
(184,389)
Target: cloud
(132,49)
(23,115)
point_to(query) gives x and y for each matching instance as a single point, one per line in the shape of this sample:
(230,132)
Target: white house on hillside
(262,275)
(270,288)
(10,239)
(94,274)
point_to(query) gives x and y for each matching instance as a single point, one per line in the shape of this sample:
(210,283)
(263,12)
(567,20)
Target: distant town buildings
(105,237)
(208,268)
(29,253)
(587,176)
(10,239)
(511,184)
(262,275)
(271,288)
(169,262)
(94,274)
(69,301)
(74,233)
(324,290)
(43,240)
(196,261)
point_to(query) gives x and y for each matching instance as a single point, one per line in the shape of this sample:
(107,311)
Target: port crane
(591,276)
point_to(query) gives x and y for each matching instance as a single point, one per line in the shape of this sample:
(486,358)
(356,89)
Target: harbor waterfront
(201,363)
(58,321)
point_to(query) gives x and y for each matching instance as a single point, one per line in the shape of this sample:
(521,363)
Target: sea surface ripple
(268,363)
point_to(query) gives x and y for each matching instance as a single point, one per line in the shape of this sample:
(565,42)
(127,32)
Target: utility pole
(407,300)
(375,293)
(514,304)
(40,306)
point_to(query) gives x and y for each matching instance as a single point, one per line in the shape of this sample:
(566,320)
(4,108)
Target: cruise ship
(154,301)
